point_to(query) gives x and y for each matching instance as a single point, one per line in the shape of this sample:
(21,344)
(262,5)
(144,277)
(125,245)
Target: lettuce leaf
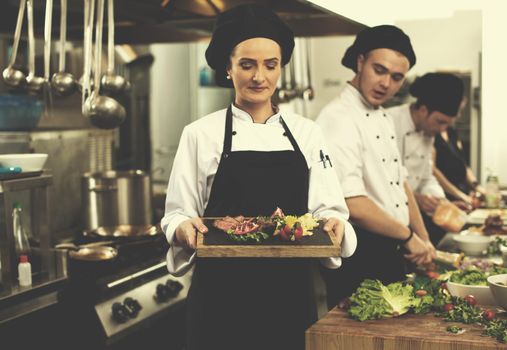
(372,300)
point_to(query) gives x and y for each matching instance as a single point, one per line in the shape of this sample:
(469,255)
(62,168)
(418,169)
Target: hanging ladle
(84,84)
(62,82)
(308,92)
(46,87)
(283,92)
(111,82)
(14,77)
(34,83)
(293,90)
(104,112)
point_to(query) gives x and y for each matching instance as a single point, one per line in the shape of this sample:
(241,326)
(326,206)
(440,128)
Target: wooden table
(336,331)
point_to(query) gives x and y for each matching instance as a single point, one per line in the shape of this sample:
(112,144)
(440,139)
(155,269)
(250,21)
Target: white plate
(478,216)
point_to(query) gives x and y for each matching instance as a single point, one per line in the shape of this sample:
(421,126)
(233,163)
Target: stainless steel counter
(16,301)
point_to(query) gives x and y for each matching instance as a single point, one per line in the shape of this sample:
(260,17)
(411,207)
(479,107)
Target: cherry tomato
(488,314)
(470,299)
(448,307)
(432,274)
(444,286)
(421,293)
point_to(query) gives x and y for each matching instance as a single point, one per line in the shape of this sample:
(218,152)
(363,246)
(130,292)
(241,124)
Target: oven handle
(135,275)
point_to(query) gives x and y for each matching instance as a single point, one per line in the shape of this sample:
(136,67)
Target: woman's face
(254,69)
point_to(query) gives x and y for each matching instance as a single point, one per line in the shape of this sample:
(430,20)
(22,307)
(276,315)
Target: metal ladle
(14,77)
(104,112)
(62,82)
(34,83)
(308,92)
(84,83)
(46,88)
(112,82)
(283,92)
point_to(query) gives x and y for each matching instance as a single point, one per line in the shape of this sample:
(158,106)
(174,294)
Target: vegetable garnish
(261,228)
(455,330)
(373,300)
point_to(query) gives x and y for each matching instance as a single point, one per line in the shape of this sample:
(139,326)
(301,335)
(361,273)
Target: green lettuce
(372,300)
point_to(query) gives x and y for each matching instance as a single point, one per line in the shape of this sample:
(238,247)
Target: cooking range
(118,298)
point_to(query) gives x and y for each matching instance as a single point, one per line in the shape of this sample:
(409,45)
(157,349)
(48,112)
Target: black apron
(450,160)
(245,303)
(376,257)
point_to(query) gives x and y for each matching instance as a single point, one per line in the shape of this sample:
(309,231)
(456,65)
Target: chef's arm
(449,186)
(472,181)
(368,215)
(416,221)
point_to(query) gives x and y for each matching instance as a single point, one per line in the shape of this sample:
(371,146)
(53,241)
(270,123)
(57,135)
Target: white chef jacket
(198,157)
(416,152)
(363,147)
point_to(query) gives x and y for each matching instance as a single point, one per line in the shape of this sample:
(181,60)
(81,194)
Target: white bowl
(499,291)
(26,161)
(482,294)
(472,244)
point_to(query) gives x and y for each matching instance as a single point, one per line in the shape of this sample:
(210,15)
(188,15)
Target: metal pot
(115,198)
(123,231)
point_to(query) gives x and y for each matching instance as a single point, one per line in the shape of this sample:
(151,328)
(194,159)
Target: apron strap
(228,133)
(289,135)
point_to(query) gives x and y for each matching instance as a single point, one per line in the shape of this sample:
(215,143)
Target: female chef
(247,160)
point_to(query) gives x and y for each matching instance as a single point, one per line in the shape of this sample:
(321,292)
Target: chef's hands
(336,227)
(432,252)
(466,207)
(419,251)
(426,202)
(186,232)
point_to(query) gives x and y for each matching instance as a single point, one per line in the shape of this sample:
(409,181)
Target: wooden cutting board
(336,331)
(216,244)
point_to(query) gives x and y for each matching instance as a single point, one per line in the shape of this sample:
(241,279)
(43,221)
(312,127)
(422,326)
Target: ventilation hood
(157,21)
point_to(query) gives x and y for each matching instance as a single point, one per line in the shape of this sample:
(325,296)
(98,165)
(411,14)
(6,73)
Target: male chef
(364,151)
(439,96)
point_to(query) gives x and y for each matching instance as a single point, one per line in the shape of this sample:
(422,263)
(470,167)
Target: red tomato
(298,232)
(421,293)
(285,233)
(470,299)
(448,307)
(489,314)
(432,274)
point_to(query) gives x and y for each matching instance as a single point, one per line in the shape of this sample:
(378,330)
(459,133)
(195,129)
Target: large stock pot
(114,198)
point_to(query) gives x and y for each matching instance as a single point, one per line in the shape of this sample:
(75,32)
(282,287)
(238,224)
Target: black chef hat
(379,37)
(242,23)
(441,92)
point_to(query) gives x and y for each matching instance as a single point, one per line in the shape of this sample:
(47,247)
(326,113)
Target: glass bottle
(21,243)
(492,190)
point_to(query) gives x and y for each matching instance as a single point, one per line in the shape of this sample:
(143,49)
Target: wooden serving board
(216,244)
(336,331)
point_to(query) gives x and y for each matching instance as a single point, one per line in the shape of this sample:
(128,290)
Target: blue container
(19,112)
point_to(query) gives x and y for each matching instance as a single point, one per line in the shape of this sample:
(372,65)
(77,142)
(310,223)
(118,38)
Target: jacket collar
(245,116)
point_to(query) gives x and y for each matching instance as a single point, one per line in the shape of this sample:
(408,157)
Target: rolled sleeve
(183,201)
(326,199)
(348,247)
